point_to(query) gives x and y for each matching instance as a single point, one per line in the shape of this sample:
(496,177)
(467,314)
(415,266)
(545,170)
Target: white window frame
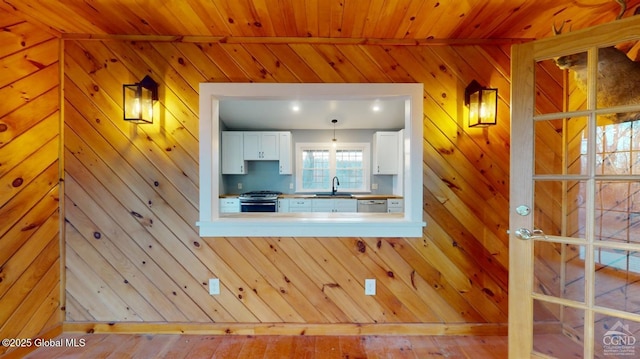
(407,224)
(366,155)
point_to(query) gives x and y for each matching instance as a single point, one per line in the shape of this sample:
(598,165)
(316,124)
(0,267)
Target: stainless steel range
(259,201)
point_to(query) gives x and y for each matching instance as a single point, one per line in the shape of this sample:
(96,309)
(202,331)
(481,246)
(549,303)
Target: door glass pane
(558,330)
(559,270)
(617,279)
(550,75)
(557,139)
(616,337)
(617,81)
(617,211)
(560,208)
(617,146)
(549,78)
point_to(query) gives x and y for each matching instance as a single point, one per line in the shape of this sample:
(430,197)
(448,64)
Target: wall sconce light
(138,100)
(482,103)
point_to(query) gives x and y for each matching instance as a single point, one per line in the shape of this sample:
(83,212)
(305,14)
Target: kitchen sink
(334,195)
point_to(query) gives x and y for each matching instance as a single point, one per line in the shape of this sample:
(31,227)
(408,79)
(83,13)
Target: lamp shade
(483,105)
(138,100)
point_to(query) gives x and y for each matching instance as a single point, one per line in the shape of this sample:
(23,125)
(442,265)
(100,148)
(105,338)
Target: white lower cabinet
(283,205)
(395,205)
(317,205)
(229,205)
(334,205)
(299,205)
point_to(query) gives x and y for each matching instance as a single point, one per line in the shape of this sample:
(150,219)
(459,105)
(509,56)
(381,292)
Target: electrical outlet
(374,186)
(239,185)
(370,287)
(214,286)
(291,185)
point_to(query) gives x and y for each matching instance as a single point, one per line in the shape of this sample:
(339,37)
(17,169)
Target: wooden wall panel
(29,146)
(131,195)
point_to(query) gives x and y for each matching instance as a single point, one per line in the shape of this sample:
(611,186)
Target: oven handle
(257,204)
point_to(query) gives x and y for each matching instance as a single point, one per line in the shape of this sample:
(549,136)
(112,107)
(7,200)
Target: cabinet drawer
(229,205)
(395,205)
(299,205)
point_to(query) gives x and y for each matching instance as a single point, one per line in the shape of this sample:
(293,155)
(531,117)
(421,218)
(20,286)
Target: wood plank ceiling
(337,20)
(132,250)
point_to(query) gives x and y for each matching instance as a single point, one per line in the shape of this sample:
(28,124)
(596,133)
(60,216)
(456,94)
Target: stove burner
(260,196)
(259,201)
(262,193)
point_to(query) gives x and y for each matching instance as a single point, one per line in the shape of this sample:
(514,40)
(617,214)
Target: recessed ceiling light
(295,107)
(376,106)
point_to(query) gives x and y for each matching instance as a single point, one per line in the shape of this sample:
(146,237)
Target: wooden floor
(268,347)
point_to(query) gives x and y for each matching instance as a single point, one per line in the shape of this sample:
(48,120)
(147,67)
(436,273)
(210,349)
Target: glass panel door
(575,193)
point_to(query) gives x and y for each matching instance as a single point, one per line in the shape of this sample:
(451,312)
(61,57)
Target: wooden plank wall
(133,250)
(29,147)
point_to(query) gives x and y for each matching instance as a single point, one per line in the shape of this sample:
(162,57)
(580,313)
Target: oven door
(258,206)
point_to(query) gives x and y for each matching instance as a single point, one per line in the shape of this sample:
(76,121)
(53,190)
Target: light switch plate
(239,185)
(214,286)
(370,287)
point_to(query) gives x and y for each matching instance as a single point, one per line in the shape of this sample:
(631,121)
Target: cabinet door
(285,154)
(232,155)
(261,146)
(283,205)
(251,146)
(385,153)
(345,205)
(269,148)
(395,205)
(322,205)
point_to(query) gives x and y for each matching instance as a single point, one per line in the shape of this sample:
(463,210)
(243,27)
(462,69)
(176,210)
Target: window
(318,163)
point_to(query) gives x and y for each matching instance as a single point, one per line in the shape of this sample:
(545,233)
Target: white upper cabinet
(386,159)
(261,146)
(233,153)
(286,154)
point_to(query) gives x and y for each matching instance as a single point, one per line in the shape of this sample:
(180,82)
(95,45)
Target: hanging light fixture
(138,100)
(334,139)
(482,103)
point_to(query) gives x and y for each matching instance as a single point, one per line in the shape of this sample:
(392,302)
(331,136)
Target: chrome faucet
(335,182)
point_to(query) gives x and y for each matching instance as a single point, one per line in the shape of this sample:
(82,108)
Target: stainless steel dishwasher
(372,206)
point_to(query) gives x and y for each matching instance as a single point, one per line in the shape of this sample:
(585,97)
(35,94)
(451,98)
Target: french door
(574,275)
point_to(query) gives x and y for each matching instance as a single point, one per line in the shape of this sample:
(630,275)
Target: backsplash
(263,175)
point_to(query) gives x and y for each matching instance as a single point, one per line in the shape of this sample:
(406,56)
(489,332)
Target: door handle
(526,234)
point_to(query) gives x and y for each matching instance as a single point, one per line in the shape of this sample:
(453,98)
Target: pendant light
(334,139)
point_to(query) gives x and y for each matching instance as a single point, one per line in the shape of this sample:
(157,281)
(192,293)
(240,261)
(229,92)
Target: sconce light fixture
(482,103)
(138,100)
(334,139)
